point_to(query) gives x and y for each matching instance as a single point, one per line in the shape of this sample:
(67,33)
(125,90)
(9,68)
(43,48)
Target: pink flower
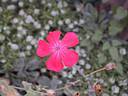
(60,54)
(110,66)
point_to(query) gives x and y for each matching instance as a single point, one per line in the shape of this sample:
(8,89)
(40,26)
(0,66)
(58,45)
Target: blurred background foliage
(102,27)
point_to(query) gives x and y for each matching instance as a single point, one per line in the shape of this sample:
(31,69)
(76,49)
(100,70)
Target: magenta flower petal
(54,63)
(60,55)
(43,48)
(53,36)
(70,58)
(70,39)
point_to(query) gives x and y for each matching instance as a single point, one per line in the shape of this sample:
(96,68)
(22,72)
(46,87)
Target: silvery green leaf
(116,42)
(54,83)
(120,13)
(101,58)
(97,36)
(119,68)
(33,64)
(19,64)
(85,42)
(113,51)
(90,10)
(114,28)
(44,81)
(106,46)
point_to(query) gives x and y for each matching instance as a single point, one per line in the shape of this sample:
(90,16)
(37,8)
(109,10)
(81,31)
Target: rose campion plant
(60,55)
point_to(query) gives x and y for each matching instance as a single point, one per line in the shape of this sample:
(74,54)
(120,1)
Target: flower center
(57,47)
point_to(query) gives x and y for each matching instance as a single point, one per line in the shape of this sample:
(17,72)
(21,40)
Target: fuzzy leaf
(120,13)
(106,46)
(101,58)
(114,28)
(113,51)
(54,83)
(97,36)
(116,42)
(119,68)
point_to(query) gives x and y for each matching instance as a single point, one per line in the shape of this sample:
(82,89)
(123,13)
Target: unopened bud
(110,66)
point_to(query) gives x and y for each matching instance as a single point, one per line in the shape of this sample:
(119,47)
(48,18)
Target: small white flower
(60,5)
(54,13)
(64,74)
(77,49)
(15,20)
(21,4)
(14,46)
(36,11)
(82,51)
(21,54)
(24,32)
(19,35)
(42,33)
(29,38)
(49,5)
(75,22)
(22,13)
(6,28)
(123,82)
(60,22)
(112,80)
(19,28)
(84,55)
(43,2)
(87,36)
(81,61)
(67,21)
(37,25)
(11,7)
(65,4)
(122,51)
(29,19)
(62,11)
(2,37)
(74,71)
(88,66)
(3,60)
(34,41)
(76,30)
(21,22)
(43,70)
(47,27)
(50,22)
(71,25)
(29,47)
(115,89)
(70,75)
(7,32)
(81,21)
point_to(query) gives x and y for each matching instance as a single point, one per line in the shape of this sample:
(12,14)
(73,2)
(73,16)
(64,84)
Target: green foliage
(120,13)
(113,51)
(97,36)
(106,46)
